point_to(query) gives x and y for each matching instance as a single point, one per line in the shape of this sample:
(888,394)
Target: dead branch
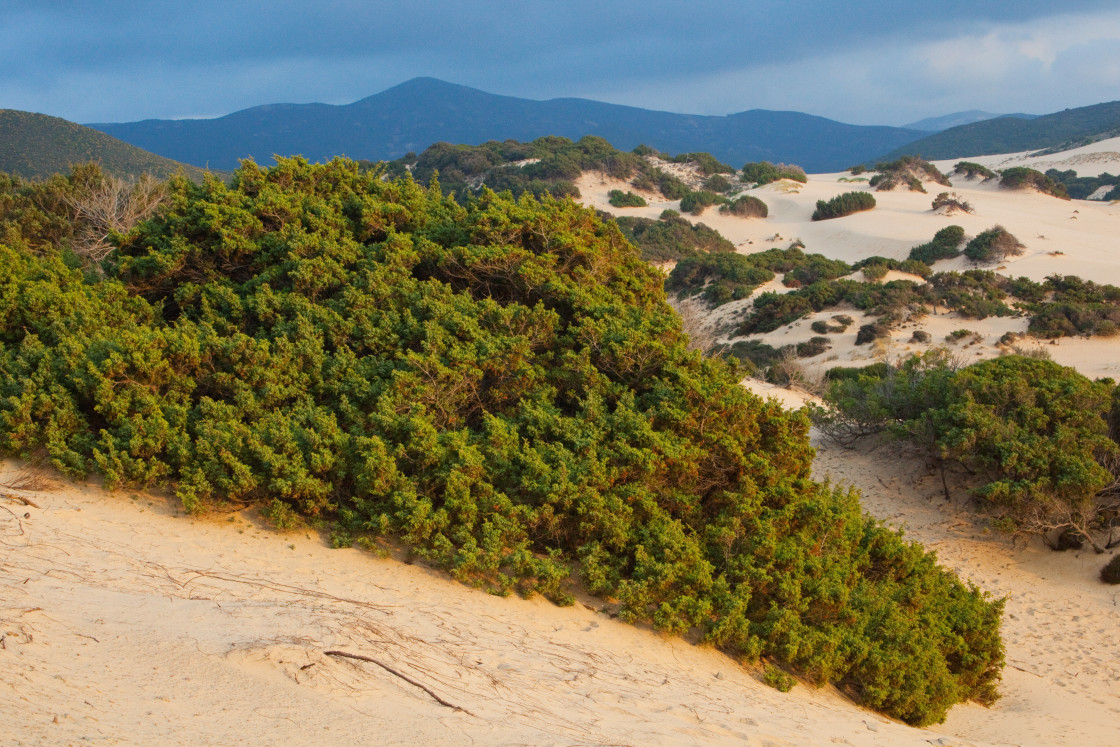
(404,677)
(21,499)
(113,206)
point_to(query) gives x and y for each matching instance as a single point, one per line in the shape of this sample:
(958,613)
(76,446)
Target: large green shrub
(501,385)
(1034,433)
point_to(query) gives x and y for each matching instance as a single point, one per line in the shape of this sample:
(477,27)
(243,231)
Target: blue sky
(861,61)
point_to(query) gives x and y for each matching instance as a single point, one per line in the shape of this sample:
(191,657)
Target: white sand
(1067,237)
(125,623)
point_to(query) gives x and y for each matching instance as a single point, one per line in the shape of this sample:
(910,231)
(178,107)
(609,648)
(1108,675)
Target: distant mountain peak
(421,111)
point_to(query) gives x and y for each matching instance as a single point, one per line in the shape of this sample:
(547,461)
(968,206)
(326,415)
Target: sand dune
(124,622)
(1066,237)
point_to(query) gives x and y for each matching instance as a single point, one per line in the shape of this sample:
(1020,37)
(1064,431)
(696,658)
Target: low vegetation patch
(1032,433)
(992,246)
(696,202)
(945,245)
(1020,177)
(910,171)
(759,173)
(746,206)
(971,170)
(671,237)
(843,204)
(620,199)
(1081,187)
(717,278)
(951,202)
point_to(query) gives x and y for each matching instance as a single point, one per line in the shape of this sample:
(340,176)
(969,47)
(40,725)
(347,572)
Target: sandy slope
(1076,237)
(122,622)
(125,623)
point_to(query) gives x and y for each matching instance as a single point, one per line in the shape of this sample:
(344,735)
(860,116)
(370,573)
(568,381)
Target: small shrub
(871,332)
(620,199)
(843,320)
(857,169)
(971,170)
(958,334)
(815,346)
(945,245)
(746,206)
(993,245)
(764,172)
(843,204)
(695,202)
(820,326)
(1110,574)
(717,183)
(908,170)
(920,335)
(952,202)
(874,272)
(782,681)
(1020,177)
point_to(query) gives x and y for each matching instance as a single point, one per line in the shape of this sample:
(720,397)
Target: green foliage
(672,237)
(945,245)
(1032,431)
(1020,177)
(718,183)
(872,332)
(695,202)
(908,170)
(718,278)
(764,172)
(971,170)
(746,206)
(1067,306)
(994,245)
(621,199)
(777,679)
(499,384)
(1081,187)
(814,346)
(843,204)
(952,202)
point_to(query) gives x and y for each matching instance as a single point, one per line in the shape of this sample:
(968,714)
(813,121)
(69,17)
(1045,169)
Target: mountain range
(423,111)
(1013,134)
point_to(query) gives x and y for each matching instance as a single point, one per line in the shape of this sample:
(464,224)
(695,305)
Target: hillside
(423,111)
(35,146)
(956,119)
(1012,134)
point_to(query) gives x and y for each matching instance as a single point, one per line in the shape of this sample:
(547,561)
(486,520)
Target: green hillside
(35,146)
(1069,128)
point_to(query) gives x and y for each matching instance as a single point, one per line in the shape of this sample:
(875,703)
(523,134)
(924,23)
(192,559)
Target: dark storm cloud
(126,60)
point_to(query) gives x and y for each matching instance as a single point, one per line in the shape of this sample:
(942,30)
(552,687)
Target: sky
(860,61)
